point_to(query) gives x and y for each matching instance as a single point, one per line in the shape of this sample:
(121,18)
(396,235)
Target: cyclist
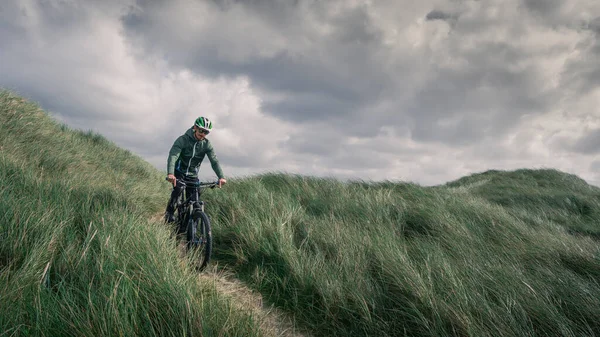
(185,158)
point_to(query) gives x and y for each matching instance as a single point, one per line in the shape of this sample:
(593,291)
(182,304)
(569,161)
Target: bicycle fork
(198,208)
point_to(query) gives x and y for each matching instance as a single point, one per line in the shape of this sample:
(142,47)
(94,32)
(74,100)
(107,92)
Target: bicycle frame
(186,204)
(192,220)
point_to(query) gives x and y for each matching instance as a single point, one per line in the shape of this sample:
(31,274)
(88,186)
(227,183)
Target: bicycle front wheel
(199,238)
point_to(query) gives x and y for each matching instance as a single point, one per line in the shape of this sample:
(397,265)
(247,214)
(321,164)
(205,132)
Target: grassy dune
(492,254)
(78,254)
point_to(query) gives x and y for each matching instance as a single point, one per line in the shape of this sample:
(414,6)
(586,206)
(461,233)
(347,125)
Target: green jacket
(187,154)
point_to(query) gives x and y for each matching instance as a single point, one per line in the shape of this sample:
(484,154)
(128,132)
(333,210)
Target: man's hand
(222,181)
(171,179)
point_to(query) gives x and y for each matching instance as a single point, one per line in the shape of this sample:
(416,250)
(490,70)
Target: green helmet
(203,123)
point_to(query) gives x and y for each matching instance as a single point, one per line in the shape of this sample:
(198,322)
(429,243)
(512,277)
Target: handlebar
(186,183)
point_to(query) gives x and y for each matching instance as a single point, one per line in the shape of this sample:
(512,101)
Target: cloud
(330,62)
(440,15)
(589,143)
(372,89)
(78,65)
(543,7)
(317,58)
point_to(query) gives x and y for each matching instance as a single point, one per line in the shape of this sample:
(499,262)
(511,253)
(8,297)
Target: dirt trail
(273,322)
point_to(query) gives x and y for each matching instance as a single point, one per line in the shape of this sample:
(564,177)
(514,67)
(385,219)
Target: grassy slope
(493,254)
(78,254)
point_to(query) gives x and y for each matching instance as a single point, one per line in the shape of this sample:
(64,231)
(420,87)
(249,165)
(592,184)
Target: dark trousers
(178,189)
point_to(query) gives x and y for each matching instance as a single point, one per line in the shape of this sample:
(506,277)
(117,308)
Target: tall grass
(499,254)
(79,255)
(492,254)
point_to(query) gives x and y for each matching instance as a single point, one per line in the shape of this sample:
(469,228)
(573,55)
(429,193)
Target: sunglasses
(204,131)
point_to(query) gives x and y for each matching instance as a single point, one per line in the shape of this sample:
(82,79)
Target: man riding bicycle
(185,158)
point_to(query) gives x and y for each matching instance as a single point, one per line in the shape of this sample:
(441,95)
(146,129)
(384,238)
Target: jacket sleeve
(214,162)
(174,154)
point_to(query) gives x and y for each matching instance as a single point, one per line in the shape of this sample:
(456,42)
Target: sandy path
(273,322)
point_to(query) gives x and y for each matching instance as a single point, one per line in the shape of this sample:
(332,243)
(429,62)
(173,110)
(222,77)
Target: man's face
(199,133)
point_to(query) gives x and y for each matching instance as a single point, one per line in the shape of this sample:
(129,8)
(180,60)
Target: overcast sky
(423,91)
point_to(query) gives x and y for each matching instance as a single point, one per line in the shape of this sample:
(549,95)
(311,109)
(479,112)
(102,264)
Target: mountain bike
(193,221)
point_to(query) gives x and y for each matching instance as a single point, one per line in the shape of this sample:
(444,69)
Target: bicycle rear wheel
(199,238)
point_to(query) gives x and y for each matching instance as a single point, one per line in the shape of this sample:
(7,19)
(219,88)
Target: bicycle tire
(199,238)
(181,217)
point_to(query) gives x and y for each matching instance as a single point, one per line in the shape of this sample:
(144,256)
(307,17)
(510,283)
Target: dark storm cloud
(339,75)
(332,73)
(351,86)
(485,98)
(440,15)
